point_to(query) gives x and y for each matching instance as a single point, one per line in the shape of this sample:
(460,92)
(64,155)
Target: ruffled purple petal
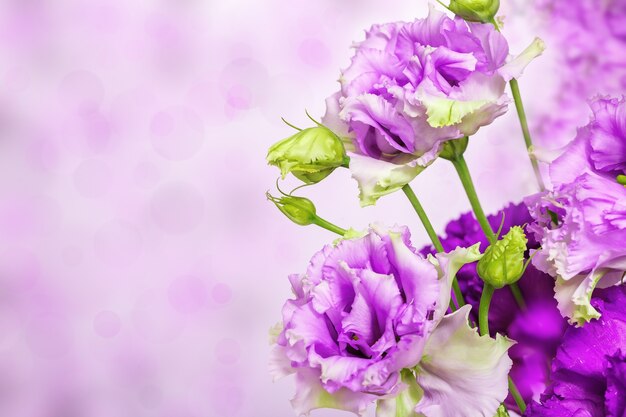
(615,397)
(589,368)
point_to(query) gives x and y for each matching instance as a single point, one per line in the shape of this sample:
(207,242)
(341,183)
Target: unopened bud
(299,210)
(503,261)
(310,155)
(483,11)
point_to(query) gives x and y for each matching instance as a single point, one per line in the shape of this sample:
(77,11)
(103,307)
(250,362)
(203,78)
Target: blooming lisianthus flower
(538,329)
(581,223)
(589,371)
(412,86)
(368,324)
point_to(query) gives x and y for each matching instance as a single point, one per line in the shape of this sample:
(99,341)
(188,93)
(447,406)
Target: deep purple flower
(539,328)
(365,314)
(581,223)
(412,86)
(589,371)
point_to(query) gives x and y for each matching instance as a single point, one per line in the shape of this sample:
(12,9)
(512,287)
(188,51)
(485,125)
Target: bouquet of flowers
(519,313)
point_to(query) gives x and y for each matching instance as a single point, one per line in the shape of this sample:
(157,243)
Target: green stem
(466,179)
(483,309)
(517,294)
(483,326)
(519,400)
(521,113)
(485,299)
(408,191)
(329,226)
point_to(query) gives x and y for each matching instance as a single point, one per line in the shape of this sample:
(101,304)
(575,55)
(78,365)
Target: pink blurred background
(140,264)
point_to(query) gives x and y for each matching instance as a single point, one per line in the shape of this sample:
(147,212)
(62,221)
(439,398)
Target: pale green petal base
(574,297)
(310,395)
(403,405)
(377,178)
(462,373)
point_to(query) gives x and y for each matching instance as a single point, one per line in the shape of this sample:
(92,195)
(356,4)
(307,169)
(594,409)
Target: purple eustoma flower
(538,329)
(412,86)
(368,324)
(581,223)
(589,371)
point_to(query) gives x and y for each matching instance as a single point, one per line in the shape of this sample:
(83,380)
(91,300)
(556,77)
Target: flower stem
(517,294)
(329,226)
(483,309)
(483,326)
(519,400)
(521,113)
(461,168)
(466,179)
(408,191)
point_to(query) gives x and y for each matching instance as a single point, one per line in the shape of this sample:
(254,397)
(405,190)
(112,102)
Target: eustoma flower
(581,223)
(368,323)
(412,86)
(589,378)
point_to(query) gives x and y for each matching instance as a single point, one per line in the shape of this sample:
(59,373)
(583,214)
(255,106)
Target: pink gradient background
(140,265)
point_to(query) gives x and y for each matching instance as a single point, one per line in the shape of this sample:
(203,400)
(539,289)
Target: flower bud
(310,155)
(503,262)
(299,210)
(483,11)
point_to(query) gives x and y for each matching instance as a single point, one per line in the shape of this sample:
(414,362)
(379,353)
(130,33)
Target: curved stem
(466,179)
(483,309)
(408,191)
(519,400)
(521,113)
(517,294)
(329,226)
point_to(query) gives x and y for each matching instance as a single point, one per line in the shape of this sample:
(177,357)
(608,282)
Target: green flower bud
(503,262)
(299,210)
(310,155)
(483,11)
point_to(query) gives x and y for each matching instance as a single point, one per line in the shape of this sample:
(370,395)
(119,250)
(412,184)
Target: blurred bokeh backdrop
(140,264)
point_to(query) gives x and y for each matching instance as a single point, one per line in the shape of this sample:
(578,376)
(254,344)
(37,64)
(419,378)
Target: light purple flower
(581,223)
(412,86)
(368,324)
